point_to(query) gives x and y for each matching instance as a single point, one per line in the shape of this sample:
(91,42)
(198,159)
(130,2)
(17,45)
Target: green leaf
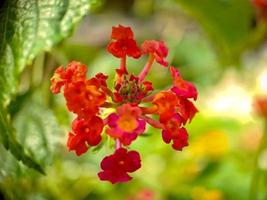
(27,28)
(36,126)
(9,141)
(229,23)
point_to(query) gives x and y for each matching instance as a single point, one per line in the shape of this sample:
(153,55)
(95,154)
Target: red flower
(85,97)
(85,133)
(156,48)
(74,72)
(117,166)
(173,124)
(122,33)
(179,138)
(121,48)
(166,103)
(126,125)
(186,110)
(124,44)
(101,80)
(181,87)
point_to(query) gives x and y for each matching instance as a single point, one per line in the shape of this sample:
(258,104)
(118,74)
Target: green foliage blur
(219,45)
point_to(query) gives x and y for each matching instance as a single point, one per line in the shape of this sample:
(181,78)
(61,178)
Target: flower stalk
(146,69)
(123,64)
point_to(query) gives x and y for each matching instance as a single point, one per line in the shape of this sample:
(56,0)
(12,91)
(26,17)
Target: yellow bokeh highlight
(213,145)
(201,193)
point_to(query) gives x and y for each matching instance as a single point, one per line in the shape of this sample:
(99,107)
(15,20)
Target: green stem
(253,193)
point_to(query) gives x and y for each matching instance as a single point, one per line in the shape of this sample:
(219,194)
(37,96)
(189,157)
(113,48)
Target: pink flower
(126,125)
(156,48)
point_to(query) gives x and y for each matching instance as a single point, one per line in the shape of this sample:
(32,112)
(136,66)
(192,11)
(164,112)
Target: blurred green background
(220,45)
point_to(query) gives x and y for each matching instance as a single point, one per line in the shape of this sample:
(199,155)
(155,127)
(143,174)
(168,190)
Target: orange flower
(166,102)
(260,106)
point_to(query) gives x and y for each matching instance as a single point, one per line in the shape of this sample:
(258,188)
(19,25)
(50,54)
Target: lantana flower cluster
(133,103)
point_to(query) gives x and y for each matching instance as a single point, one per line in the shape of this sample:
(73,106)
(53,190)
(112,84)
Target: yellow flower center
(127,123)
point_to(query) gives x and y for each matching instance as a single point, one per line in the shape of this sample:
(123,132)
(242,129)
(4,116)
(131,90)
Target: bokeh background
(220,45)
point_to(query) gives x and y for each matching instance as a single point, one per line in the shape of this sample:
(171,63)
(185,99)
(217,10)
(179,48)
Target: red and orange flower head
(166,102)
(84,97)
(85,133)
(74,72)
(122,111)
